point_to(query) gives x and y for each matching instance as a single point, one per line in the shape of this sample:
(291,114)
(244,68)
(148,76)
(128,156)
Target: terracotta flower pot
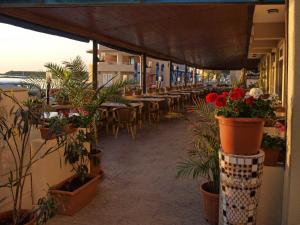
(46,134)
(241,136)
(67,202)
(271,157)
(7,217)
(210,205)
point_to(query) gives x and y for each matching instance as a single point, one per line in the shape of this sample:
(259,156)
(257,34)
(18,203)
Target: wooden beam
(269,31)
(95,64)
(259,51)
(263,44)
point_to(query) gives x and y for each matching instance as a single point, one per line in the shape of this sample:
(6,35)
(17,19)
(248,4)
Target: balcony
(114,67)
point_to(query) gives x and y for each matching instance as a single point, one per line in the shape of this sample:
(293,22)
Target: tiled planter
(241,178)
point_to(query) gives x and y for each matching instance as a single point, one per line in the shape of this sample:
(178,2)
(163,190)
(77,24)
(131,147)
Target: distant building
(116,64)
(123,66)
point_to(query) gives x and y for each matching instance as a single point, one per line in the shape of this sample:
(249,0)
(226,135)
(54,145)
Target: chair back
(125,115)
(138,92)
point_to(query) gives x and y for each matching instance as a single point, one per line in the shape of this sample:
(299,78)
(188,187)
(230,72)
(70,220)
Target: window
(107,78)
(131,60)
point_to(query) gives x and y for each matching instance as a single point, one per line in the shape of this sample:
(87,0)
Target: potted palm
(85,100)
(15,132)
(203,161)
(272,146)
(241,119)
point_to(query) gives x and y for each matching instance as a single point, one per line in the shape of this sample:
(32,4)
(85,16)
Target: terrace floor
(140,187)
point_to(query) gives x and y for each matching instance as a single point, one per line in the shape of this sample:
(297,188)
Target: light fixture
(272,11)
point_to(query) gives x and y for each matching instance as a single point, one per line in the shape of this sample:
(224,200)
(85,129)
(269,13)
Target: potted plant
(241,119)
(55,127)
(83,121)
(15,132)
(86,100)
(272,146)
(36,108)
(75,192)
(203,161)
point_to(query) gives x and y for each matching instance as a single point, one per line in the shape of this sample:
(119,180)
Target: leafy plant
(203,159)
(35,108)
(45,209)
(15,132)
(78,155)
(272,142)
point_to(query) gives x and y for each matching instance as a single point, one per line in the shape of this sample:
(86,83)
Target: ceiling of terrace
(212,36)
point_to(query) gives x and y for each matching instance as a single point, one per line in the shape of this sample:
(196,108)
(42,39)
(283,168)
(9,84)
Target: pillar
(95,63)
(143,73)
(291,196)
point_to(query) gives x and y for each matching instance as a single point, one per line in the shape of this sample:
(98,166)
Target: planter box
(271,157)
(47,135)
(8,215)
(69,203)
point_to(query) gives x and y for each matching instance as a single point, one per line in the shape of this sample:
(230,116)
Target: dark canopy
(211,36)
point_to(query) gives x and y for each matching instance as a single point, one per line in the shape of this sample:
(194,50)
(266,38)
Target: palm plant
(203,159)
(81,95)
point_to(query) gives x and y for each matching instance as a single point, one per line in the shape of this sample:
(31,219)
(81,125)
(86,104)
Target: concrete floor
(140,187)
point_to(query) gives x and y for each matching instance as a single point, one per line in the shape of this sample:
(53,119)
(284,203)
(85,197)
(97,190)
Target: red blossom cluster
(218,100)
(82,112)
(236,94)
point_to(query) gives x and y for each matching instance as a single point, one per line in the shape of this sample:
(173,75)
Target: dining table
(120,105)
(145,99)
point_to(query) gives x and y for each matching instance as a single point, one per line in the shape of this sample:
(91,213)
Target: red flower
(237,94)
(249,101)
(224,94)
(220,101)
(211,97)
(280,126)
(83,112)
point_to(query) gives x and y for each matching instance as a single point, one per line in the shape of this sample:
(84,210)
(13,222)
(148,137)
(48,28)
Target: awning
(209,36)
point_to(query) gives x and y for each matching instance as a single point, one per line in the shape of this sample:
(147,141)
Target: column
(95,62)
(143,73)
(291,196)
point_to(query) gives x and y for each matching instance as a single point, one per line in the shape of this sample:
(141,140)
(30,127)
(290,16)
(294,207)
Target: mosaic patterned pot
(241,136)
(241,178)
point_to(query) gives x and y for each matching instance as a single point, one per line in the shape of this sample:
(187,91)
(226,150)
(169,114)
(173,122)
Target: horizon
(32,50)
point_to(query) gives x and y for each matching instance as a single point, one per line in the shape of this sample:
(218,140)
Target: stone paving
(140,187)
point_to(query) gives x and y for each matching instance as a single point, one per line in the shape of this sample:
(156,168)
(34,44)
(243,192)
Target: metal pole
(143,73)
(95,63)
(171,73)
(185,74)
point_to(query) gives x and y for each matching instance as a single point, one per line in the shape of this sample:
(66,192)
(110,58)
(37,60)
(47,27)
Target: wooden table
(120,105)
(141,99)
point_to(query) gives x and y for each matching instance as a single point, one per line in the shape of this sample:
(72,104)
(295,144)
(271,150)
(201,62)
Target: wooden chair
(125,117)
(103,121)
(153,111)
(138,92)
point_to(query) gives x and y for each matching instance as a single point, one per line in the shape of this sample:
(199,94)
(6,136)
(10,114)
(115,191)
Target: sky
(22,49)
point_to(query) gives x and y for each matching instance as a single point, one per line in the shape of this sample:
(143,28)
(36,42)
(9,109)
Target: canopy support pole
(143,73)
(95,63)
(171,73)
(185,74)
